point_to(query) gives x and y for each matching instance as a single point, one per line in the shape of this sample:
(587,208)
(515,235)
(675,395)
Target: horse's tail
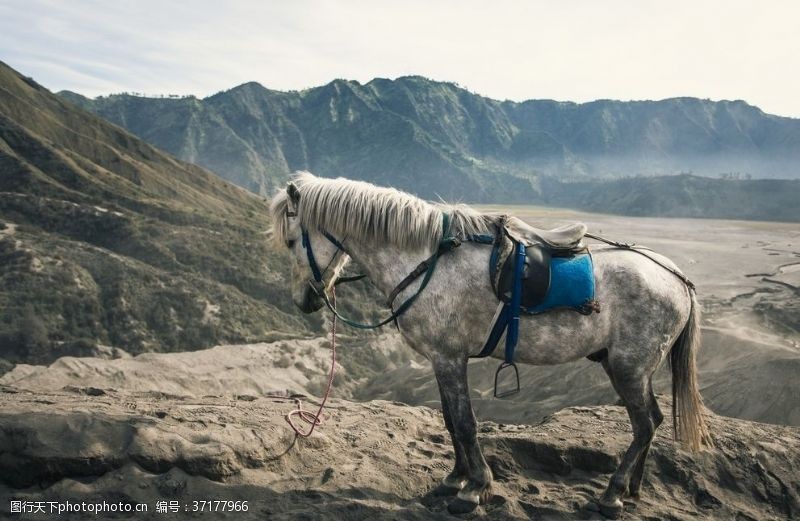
(689,425)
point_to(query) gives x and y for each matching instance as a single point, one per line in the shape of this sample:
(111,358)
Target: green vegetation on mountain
(437,139)
(106,240)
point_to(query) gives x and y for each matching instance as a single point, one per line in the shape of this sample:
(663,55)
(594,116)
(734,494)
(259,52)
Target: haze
(576,50)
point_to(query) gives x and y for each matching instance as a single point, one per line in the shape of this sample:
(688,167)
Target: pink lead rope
(307,416)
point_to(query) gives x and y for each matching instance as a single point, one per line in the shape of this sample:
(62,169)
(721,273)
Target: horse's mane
(377,215)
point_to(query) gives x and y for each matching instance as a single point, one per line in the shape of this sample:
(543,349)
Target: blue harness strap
(512,333)
(312,262)
(494,336)
(508,319)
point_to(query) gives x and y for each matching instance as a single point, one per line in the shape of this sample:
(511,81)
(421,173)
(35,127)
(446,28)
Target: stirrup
(497,374)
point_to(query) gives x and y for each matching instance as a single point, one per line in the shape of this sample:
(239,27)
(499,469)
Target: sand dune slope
(277,368)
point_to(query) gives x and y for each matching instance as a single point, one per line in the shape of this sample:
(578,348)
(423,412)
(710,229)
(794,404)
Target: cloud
(576,50)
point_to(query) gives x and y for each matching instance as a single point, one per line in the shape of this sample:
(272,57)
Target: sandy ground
(375,460)
(277,369)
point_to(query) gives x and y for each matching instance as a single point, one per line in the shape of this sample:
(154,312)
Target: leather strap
(638,249)
(445,246)
(447,243)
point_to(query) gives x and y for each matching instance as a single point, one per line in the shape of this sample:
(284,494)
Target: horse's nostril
(309,302)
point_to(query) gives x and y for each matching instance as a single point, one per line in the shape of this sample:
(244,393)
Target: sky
(570,50)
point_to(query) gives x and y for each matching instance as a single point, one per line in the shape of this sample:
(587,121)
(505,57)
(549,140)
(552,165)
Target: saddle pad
(571,285)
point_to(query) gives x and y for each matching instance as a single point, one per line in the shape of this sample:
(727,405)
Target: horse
(647,314)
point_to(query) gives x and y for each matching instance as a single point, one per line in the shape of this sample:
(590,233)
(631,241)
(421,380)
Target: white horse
(647,313)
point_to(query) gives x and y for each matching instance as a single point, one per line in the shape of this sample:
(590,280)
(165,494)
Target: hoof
(612,511)
(459,506)
(443,490)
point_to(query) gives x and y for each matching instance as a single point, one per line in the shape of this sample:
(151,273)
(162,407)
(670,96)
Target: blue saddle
(535,279)
(571,285)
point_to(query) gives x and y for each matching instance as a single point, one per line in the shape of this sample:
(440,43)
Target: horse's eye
(290,244)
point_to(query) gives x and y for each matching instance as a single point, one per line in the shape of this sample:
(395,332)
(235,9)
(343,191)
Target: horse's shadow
(532,483)
(506,503)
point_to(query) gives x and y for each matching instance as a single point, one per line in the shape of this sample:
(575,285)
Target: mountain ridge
(437,139)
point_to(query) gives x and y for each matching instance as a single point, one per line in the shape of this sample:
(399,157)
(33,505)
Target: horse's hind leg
(451,374)
(457,478)
(633,387)
(638,471)
(656,416)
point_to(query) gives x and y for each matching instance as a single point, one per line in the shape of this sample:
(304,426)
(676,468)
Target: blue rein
(312,262)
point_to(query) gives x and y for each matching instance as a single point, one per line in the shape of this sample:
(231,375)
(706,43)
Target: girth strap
(507,320)
(512,335)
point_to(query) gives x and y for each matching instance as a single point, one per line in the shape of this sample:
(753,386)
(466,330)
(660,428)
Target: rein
(428,266)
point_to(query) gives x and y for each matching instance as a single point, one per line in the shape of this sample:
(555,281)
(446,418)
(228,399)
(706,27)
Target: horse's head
(317,258)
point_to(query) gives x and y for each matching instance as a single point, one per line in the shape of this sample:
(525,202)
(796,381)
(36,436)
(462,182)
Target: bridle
(426,268)
(319,275)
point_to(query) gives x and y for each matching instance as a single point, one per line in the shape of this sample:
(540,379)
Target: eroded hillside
(105,239)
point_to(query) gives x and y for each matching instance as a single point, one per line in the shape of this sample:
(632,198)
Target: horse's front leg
(457,477)
(451,374)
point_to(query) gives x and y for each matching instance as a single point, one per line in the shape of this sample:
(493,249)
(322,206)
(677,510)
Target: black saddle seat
(540,247)
(535,277)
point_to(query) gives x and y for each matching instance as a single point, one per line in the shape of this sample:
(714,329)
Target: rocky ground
(373,460)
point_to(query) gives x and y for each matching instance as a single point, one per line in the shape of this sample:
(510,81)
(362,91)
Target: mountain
(106,240)
(437,139)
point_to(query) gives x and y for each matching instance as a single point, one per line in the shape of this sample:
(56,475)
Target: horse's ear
(293,193)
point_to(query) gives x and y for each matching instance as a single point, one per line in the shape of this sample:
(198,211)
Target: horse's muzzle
(311,301)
